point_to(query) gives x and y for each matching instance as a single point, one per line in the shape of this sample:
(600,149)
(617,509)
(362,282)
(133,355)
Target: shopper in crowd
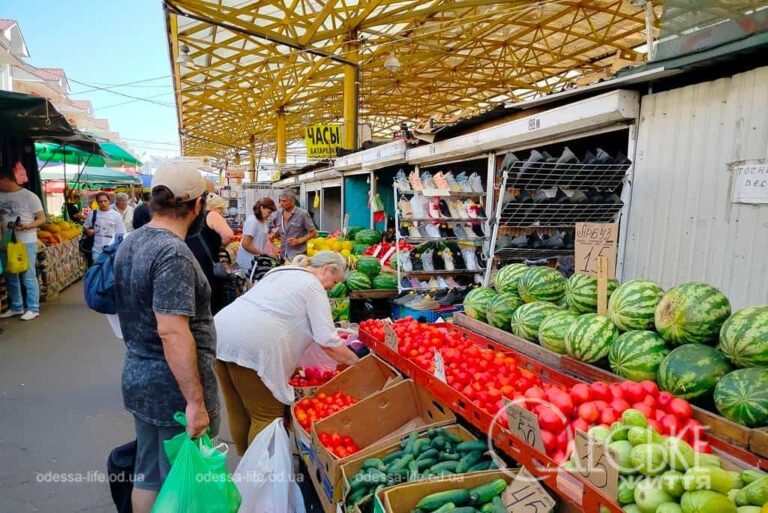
(103,224)
(262,335)
(256,234)
(142,213)
(73,207)
(208,242)
(294,225)
(125,210)
(22,212)
(163,305)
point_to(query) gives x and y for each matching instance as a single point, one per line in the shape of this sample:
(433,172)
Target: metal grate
(546,175)
(551,215)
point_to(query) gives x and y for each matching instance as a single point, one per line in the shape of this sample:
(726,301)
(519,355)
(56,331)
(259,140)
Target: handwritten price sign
(439,367)
(526,495)
(390,338)
(597,463)
(525,426)
(595,240)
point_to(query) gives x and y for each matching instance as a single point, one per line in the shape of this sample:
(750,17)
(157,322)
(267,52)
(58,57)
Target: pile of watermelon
(686,339)
(368,275)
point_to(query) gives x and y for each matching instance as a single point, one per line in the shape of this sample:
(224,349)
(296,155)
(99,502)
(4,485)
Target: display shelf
(552,215)
(443,272)
(373,294)
(546,175)
(421,240)
(432,193)
(522,253)
(443,220)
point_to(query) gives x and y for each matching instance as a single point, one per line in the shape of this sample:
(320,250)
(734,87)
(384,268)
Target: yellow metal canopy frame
(260,71)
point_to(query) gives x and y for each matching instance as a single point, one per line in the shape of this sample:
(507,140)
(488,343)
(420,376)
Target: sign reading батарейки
(323,141)
(750,181)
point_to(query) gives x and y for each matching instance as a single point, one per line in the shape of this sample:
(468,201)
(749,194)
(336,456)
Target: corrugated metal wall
(682,225)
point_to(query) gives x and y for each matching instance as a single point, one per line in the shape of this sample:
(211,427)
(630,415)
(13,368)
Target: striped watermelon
(541,284)
(590,338)
(744,337)
(338,290)
(581,292)
(553,329)
(357,280)
(384,281)
(476,302)
(637,355)
(692,313)
(508,276)
(368,265)
(501,308)
(691,371)
(742,396)
(527,319)
(633,305)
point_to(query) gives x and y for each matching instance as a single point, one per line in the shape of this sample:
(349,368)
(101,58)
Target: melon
(541,284)
(384,281)
(368,265)
(581,293)
(527,319)
(637,355)
(500,309)
(476,302)
(692,313)
(632,306)
(691,371)
(553,329)
(742,396)
(357,280)
(744,337)
(507,277)
(590,338)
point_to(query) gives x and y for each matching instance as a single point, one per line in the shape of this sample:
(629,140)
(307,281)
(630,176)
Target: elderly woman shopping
(264,333)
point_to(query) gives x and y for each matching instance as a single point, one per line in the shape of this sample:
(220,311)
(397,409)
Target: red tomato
(600,405)
(650,387)
(588,412)
(653,423)
(680,408)
(650,401)
(536,393)
(562,440)
(600,391)
(702,446)
(559,457)
(580,393)
(550,441)
(551,420)
(670,425)
(659,414)
(563,402)
(691,429)
(616,390)
(643,408)
(664,399)
(619,405)
(580,425)
(608,416)
(633,392)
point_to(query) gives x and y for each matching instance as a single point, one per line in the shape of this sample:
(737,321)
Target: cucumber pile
(485,498)
(437,453)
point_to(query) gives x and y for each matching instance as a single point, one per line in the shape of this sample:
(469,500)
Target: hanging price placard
(597,463)
(390,338)
(439,367)
(525,426)
(525,494)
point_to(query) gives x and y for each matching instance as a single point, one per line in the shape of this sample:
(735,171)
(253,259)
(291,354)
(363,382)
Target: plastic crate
(399,312)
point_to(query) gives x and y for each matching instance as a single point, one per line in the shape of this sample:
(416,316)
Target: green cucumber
(427,463)
(366,479)
(709,460)
(483,465)
(449,436)
(498,505)
(464,509)
(445,465)
(374,463)
(429,453)
(413,471)
(445,472)
(431,502)
(749,476)
(474,445)
(449,456)
(437,442)
(445,508)
(400,464)
(409,443)
(389,458)
(487,508)
(468,460)
(487,491)
(357,496)
(419,446)
(757,492)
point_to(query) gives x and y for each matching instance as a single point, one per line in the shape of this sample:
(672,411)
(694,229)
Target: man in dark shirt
(142,214)
(163,301)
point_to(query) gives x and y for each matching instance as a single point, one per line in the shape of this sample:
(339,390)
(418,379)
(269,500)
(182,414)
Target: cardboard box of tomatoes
(368,376)
(372,423)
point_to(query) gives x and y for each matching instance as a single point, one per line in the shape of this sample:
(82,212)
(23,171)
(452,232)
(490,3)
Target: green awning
(115,155)
(102,175)
(118,154)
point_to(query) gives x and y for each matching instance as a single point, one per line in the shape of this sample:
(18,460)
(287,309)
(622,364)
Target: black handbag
(86,241)
(120,467)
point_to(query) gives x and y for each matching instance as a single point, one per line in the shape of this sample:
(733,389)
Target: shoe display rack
(439,216)
(541,198)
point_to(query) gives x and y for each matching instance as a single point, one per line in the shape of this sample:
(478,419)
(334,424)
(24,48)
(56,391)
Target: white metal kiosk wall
(323,182)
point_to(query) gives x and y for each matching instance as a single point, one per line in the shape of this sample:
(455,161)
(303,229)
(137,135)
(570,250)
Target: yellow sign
(323,141)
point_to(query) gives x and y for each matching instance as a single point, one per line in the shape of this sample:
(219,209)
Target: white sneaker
(442,283)
(433,231)
(476,182)
(470,259)
(29,315)
(11,313)
(413,231)
(448,259)
(419,207)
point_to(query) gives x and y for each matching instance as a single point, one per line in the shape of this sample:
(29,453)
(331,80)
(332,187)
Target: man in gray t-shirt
(294,225)
(163,301)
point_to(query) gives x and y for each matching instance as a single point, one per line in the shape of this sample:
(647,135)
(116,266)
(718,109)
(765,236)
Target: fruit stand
(59,260)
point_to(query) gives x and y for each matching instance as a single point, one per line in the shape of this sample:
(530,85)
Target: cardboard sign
(524,425)
(595,240)
(597,463)
(750,182)
(525,494)
(439,367)
(390,338)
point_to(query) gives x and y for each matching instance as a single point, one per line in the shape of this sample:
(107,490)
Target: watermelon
(354,230)
(691,371)
(590,338)
(476,302)
(508,276)
(501,308)
(360,249)
(384,281)
(541,284)
(338,290)
(553,329)
(632,306)
(744,337)
(369,237)
(527,319)
(368,265)
(357,280)
(742,396)
(692,313)
(637,355)
(581,292)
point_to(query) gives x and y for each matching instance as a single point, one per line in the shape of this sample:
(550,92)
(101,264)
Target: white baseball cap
(182,178)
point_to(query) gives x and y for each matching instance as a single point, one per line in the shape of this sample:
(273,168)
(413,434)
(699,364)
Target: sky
(103,43)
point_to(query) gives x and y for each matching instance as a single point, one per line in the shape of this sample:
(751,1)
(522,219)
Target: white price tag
(525,494)
(525,426)
(390,338)
(597,463)
(439,367)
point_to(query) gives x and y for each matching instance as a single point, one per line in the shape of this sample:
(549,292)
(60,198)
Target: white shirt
(127,217)
(108,224)
(272,325)
(259,230)
(24,204)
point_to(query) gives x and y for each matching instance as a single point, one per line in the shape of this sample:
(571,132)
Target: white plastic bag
(265,476)
(315,358)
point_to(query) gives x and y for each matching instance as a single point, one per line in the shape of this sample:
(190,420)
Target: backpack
(99,282)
